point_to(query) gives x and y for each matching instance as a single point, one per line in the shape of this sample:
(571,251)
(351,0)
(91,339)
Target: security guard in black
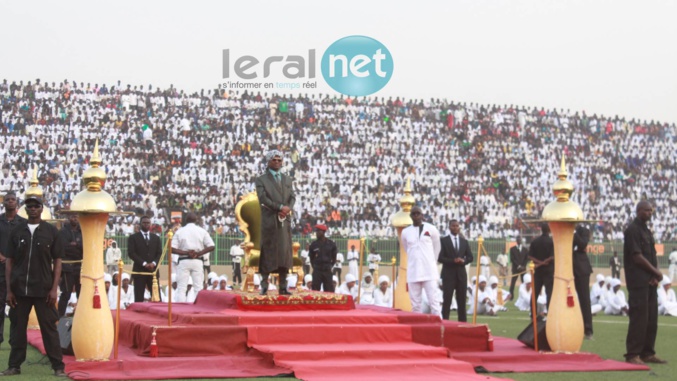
(322,253)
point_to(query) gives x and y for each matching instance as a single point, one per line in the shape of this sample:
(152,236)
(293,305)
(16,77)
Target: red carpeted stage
(313,336)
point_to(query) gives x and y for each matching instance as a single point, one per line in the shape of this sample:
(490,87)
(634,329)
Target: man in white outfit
(673,264)
(190,242)
(421,241)
(353,260)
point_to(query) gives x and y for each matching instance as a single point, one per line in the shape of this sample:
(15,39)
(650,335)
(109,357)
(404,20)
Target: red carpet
(218,337)
(510,355)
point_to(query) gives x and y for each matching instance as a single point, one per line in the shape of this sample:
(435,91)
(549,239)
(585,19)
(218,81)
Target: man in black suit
(542,252)
(455,254)
(518,259)
(582,271)
(71,236)
(145,249)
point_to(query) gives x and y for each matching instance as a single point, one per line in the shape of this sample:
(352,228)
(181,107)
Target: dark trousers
(513,281)
(322,280)
(282,278)
(47,318)
(450,285)
(643,326)
(237,273)
(68,280)
(140,284)
(543,279)
(615,273)
(583,290)
(3,301)
(337,271)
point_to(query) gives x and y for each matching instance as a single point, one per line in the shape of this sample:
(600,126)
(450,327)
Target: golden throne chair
(248,214)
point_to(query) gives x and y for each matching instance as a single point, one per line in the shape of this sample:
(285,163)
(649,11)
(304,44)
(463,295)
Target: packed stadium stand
(488,165)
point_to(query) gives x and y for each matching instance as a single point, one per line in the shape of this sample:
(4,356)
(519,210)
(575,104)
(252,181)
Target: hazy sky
(608,57)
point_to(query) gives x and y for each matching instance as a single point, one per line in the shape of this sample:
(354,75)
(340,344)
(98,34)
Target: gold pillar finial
(34,178)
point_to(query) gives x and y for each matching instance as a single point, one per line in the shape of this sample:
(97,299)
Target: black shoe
(264,288)
(284,291)
(60,373)
(10,372)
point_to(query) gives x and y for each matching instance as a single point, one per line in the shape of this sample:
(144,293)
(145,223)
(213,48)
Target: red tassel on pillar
(154,350)
(97,298)
(570,297)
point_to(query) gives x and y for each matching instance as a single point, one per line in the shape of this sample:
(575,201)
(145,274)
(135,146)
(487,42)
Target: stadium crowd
(487,165)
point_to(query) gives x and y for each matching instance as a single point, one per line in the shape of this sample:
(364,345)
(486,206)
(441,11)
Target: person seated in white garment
(667,302)
(523,302)
(607,292)
(223,283)
(126,294)
(596,290)
(616,303)
(308,280)
(500,295)
(367,288)
(107,279)
(383,295)
(486,303)
(292,279)
(348,287)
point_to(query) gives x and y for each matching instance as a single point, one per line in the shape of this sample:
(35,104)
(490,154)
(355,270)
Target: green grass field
(609,343)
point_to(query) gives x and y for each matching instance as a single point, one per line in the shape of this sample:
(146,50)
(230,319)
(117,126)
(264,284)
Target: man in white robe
(421,241)
(353,258)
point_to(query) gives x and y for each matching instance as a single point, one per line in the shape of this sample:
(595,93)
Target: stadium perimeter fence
(599,253)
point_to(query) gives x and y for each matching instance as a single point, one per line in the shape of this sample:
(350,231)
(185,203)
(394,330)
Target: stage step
(318,352)
(328,334)
(383,369)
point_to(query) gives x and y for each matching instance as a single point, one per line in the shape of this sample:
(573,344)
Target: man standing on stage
(455,254)
(237,253)
(277,198)
(144,249)
(322,255)
(8,221)
(71,236)
(642,277)
(32,272)
(519,258)
(421,241)
(190,242)
(542,252)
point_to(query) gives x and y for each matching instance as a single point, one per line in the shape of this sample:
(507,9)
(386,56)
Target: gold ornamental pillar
(92,332)
(564,329)
(401,220)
